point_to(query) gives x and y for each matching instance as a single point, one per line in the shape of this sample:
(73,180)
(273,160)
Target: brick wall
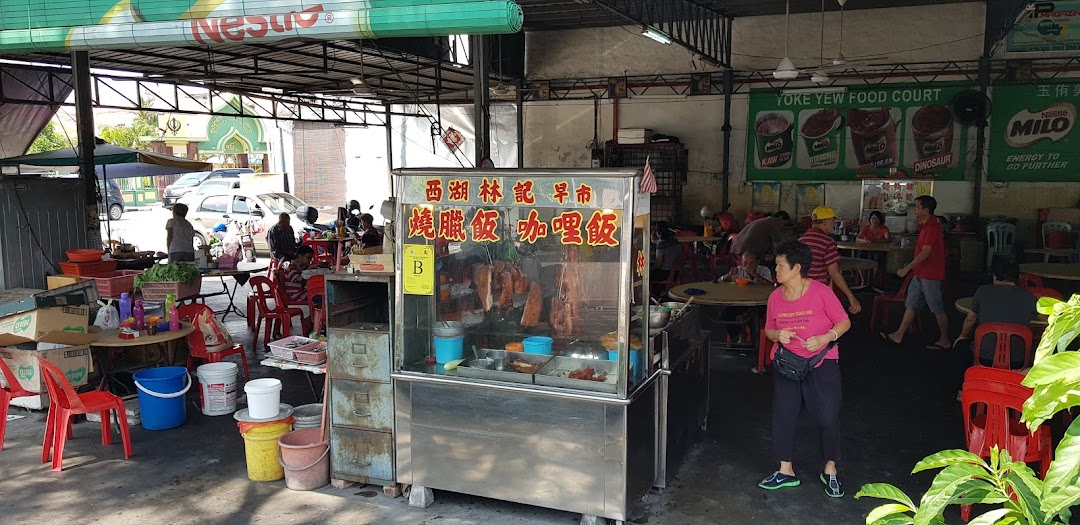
(319,164)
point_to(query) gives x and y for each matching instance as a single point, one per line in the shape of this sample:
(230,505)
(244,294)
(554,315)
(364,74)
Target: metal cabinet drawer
(361,455)
(354,354)
(362,404)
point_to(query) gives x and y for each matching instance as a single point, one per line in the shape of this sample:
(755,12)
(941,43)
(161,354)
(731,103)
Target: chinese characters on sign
(600,230)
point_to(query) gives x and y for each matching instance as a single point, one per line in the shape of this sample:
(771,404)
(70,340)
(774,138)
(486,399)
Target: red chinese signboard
(422,223)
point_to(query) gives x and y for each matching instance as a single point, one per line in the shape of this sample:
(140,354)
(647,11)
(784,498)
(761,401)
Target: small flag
(648,180)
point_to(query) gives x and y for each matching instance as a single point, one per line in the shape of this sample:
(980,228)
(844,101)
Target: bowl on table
(83,255)
(742,281)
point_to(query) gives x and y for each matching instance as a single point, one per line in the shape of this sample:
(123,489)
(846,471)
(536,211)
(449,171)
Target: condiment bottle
(170,301)
(174,319)
(140,316)
(125,306)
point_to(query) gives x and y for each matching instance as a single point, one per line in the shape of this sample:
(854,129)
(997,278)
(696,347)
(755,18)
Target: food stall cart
(554,262)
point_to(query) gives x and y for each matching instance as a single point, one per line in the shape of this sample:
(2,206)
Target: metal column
(481,97)
(729,86)
(520,125)
(84,122)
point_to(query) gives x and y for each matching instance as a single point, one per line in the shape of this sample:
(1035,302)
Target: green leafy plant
(174,271)
(966,479)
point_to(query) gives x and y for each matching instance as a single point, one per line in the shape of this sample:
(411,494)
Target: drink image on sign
(773,139)
(932,134)
(873,137)
(821,136)
(1054,122)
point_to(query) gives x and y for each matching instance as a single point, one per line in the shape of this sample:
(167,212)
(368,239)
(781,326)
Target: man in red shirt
(826,258)
(928,270)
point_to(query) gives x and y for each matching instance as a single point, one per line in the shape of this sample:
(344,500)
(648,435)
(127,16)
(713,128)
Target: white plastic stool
(1000,238)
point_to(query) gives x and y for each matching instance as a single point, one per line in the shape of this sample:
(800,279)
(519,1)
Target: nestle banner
(125,24)
(1032,133)
(862,131)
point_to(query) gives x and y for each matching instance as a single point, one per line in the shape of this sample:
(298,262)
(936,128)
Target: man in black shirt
(282,239)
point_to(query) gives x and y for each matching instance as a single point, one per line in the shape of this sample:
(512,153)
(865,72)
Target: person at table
(876,231)
(825,267)
(282,239)
(928,269)
(292,274)
(179,235)
(1004,301)
(369,235)
(763,235)
(749,268)
(668,249)
(805,317)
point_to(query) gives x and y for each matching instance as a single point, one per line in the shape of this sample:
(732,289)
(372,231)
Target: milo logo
(774,145)
(873,149)
(22,324)
(821,144)
(932,148)
(76,375)
(26,372)
(1053,123)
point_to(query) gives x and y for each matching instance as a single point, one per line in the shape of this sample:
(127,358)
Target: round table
(857,264)
(724,294)
(1063,271)
(870,246)
(108,341)
(1047,253)
(964,306)
(700,239)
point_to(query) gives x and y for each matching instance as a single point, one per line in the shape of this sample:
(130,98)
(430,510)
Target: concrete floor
(898,408)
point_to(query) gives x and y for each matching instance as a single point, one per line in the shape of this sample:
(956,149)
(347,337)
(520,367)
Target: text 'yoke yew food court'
(534,262)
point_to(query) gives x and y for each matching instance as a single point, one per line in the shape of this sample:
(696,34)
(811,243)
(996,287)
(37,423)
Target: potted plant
(966,479)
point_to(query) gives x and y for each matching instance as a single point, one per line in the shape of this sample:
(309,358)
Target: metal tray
(555,373)
(508,375)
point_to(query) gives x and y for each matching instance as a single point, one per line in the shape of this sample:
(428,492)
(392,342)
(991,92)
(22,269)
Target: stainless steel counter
(592,455)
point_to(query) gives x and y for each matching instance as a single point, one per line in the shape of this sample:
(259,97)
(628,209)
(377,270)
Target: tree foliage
(50,139)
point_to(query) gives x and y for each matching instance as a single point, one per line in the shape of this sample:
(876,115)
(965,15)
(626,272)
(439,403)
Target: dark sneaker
(833,488)
(777,480)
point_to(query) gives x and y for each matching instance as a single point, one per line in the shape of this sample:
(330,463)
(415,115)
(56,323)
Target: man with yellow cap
(826,258)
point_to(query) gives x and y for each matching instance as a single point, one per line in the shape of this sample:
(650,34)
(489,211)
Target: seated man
(1001,302)
(282,239)
(292,274)
(749,269)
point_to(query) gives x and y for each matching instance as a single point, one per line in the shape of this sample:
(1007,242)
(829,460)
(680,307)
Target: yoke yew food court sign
(861,131)
(1032,133)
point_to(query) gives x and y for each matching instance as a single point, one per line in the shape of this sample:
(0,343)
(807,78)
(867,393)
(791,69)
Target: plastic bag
(108,318)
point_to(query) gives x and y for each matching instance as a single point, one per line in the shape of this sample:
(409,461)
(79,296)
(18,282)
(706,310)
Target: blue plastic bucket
(449,348)
(537,344)
(636,370)
(161,396)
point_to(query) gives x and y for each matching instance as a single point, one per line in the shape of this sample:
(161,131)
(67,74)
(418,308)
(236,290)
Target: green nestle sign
(1033,134)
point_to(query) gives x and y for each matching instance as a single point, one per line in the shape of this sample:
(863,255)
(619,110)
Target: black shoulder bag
(794,367)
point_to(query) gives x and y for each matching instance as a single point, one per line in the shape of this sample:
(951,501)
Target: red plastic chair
(674,277)
(12,391)
(197,342)
(688,250)
(1003,334)
(316,287)
(276,314)
(1044,292)
(323,254)
(764,352)
(64,402)
(1030,280)
(992,401)
(882,303)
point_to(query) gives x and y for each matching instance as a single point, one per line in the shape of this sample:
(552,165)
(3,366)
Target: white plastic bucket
(264,397)
(217,388)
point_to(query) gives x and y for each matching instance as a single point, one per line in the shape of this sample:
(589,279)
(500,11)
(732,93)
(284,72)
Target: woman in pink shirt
(805,317)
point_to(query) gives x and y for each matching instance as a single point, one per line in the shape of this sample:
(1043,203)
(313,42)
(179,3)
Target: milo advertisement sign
(1032,135)
(861,131)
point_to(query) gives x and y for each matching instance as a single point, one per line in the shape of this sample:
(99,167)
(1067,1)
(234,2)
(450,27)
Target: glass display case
(522,369)
(895,198)
(542,273)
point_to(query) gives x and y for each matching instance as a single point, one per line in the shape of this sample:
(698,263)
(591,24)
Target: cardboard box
(60,281)
(18,300)
(34,324)
(69,351)
(383,262)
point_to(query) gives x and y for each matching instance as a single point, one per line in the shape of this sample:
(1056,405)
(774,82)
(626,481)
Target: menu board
(864,131)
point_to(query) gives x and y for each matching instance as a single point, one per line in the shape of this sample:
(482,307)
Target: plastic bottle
(174,319)
(170,301)
(140,316)
(125,306)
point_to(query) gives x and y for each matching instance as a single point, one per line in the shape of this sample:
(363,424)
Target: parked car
(213,187)
(189,182)
(112,200)
(209,210)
